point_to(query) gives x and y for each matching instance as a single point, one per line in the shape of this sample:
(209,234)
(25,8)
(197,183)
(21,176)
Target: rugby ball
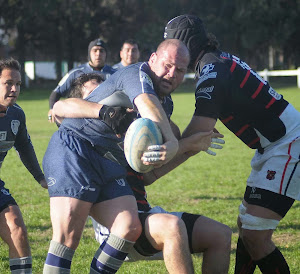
(142,133)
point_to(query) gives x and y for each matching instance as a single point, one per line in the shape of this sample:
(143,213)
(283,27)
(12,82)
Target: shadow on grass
(217,198)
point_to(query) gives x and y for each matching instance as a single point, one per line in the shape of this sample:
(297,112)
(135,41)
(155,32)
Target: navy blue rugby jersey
(13,133)
(229,90)
(64,85)
(133,80)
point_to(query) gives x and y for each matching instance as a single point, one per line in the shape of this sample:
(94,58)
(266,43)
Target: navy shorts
(73,168)
(5,197)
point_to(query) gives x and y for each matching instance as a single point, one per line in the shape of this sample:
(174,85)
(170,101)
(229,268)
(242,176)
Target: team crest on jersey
(274,94)
(207,68)
(5,192)
(15,126)
(271,174)
(3,135)
(145,78)
(204,92)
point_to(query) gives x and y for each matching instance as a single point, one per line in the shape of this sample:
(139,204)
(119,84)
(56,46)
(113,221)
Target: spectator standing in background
(129,54)
(97,53)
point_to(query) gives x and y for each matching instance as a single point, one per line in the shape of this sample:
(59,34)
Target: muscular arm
(193,142)
(150,107)
(75,108)
(199,124)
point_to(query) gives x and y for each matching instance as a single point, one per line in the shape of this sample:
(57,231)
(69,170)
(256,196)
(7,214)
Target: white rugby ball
(142,133)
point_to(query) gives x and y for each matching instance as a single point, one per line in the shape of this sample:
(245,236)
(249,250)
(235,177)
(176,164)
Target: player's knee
(222,237)
(175,226)
(130,231)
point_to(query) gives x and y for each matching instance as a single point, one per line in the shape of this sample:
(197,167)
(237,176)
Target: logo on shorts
(271,175)
(51,181)
(121,182)
(254,195)
(5,192)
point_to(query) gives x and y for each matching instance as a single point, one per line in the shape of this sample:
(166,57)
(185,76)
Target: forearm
(150,107)
(157,173)
(76,108)
(29,159)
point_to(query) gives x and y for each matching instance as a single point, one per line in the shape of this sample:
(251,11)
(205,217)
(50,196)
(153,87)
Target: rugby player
(229,90)
(14,134)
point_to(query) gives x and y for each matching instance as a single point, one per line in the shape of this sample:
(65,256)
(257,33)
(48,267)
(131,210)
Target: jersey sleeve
(26,151)
(211,90)
(138,83)
(65,83)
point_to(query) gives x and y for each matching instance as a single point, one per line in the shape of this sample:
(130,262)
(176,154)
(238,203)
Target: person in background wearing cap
(229,90)
(129,54)
(97,52)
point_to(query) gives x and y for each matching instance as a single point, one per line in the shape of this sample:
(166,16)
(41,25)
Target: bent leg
(68,217)
(168,233)
(214,240)
(258,225)
(14,233)
(120,216)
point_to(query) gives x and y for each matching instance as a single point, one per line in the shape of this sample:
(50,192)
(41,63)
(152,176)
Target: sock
(59,259)
(273,263)
(110,255)
(21,265)
(243,262)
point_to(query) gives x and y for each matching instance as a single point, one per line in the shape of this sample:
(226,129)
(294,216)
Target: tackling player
(13,133)
(186,232)
(229,90)
(85,164)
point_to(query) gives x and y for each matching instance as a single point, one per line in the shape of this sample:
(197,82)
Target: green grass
(212,186)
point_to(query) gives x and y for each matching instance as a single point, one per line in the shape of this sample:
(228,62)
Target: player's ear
(153,58)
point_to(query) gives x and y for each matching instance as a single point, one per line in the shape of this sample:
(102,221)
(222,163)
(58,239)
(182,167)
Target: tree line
(264,33)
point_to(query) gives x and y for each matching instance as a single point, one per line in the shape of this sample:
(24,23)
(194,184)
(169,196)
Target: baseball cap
(190,30)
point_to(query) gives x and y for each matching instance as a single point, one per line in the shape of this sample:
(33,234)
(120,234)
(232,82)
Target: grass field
(212,186)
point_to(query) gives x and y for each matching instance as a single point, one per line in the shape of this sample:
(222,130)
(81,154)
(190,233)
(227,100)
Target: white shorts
(278,169)
(101,234)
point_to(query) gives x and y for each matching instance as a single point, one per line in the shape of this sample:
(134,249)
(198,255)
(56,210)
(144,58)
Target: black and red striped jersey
(229,90)
(136,182)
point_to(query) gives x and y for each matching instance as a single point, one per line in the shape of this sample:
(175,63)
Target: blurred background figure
(129,54)
(97,53)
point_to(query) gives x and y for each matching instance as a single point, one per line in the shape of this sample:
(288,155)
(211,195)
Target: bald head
(173,44)
(168,65)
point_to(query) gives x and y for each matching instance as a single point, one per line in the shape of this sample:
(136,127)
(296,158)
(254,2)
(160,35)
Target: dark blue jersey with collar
(229,90)
(64,85)
(13,133)
(133,80)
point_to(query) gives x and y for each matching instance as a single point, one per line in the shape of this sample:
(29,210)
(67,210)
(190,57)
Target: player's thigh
(12,224)
(208,233)
(68,215)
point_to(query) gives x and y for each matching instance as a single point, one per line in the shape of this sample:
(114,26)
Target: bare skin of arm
(195,139)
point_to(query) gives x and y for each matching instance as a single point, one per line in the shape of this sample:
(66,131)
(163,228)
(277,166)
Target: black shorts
(144,247)
(268,199)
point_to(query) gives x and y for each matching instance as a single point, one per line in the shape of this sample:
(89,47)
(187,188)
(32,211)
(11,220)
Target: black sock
(273,263)
(243,262)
